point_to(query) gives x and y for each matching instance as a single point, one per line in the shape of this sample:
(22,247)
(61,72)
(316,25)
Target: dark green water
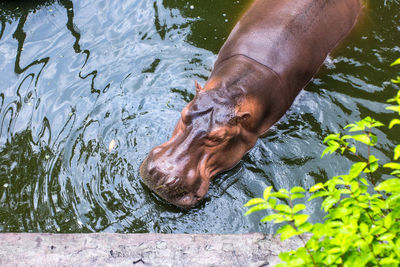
(75,75)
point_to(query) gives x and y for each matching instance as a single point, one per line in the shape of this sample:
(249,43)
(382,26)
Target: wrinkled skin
(271,54)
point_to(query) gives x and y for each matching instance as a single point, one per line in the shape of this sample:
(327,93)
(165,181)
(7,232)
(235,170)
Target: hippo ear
(240,117)
(243,115)
(198,87)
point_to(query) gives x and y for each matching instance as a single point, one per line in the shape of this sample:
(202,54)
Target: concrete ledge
(104,249)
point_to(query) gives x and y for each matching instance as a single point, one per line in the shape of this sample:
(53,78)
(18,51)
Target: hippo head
(211,136)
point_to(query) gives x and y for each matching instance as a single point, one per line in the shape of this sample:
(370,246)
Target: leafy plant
(362,225)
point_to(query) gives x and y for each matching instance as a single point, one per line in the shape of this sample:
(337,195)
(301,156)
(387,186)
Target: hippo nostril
(186,200)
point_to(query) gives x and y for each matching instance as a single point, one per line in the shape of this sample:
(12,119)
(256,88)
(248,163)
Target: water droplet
(192,7)
(5,185)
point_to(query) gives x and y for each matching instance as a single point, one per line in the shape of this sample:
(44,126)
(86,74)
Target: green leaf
(386,237)
(373,164)
(334,250)
(272,202)
(282,218)
(271,217)
(283,190)
(316,187)
(393,123)
(285,256)
(340,212)
(396,81)
(392,200)
(392,165)
(263,206)
(318,194)
(364,181)
(267,191)
(377,124)
(296,196)
(394,108)
(297,189)
(328,203)
(254,201)
(298,208)
(389,262)
(360,137)
(390,185)
(387,222)
(372,158)
(397,152)
(305,227)
(299,219)
(279,195)
(332,147)
(355,128)
(396,62)
(336,181)
(344,191)
(395,172)
(283,208)
(374,139)
(332,137)
(286,231)
(363,228)
(357,168)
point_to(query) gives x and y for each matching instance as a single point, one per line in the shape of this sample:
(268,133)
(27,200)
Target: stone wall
(104,249)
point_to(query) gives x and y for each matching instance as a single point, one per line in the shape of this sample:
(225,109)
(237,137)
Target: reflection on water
(76,75)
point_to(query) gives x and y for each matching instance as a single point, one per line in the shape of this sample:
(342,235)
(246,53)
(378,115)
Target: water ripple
(79,75)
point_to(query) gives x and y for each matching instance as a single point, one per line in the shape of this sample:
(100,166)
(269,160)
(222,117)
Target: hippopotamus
(273,51)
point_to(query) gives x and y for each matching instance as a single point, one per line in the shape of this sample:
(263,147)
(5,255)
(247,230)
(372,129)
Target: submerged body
(271,54)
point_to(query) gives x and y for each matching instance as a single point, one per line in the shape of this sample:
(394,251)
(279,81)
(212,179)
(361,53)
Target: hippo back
(292,38)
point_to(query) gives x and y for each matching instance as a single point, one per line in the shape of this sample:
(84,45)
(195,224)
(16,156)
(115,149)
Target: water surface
(75,75)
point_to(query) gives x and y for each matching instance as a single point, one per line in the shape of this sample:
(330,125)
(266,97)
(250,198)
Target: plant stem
(354,197)
(366,161)
(301,235)
(369,154)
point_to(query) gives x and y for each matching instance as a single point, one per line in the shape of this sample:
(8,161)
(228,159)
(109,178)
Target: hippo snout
(165,180)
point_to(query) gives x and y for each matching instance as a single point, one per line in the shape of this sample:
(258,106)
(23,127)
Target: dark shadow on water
(23,168)
(212,32)
(19,10)
(15,9)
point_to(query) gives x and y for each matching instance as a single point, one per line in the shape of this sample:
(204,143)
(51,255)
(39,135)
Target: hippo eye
(216,139)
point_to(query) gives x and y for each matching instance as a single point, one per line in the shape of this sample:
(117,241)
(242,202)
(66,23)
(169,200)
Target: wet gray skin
(209,138)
